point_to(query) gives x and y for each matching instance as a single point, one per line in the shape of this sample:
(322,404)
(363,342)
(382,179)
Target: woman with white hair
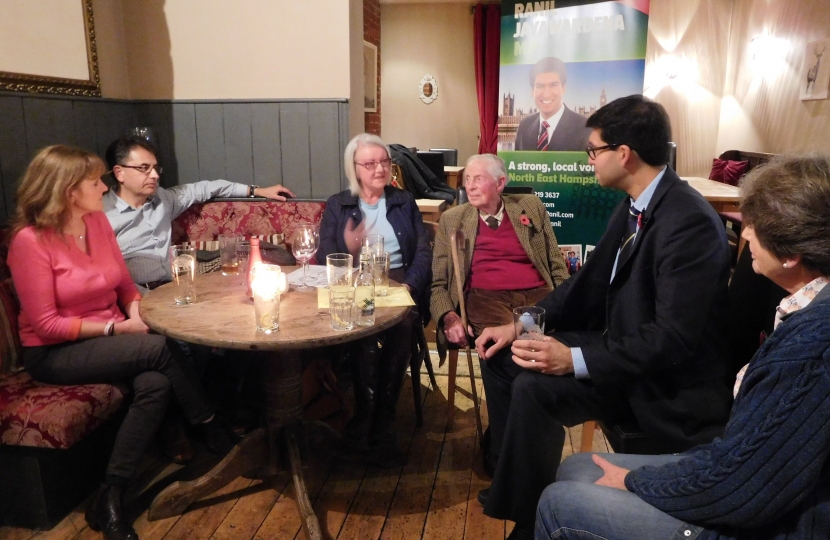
(372,206)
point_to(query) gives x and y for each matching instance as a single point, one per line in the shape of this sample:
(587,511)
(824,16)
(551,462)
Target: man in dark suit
(638,332)
(555,127)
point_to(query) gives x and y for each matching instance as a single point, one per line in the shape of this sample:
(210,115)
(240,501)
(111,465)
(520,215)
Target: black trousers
(528,412)
(147,363)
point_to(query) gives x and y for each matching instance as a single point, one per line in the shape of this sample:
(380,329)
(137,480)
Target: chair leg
(453,367)
(475,394)
(422,343)
(415,375)
(588,436)
(431,373)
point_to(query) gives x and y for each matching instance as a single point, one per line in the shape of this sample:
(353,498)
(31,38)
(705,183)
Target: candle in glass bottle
(254,259)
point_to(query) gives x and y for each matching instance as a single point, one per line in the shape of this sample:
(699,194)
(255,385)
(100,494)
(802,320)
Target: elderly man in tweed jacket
(509,257)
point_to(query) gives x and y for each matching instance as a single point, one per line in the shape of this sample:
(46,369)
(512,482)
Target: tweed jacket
(537,239)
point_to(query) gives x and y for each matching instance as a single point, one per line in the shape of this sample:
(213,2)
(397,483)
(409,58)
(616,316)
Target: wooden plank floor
(432,497)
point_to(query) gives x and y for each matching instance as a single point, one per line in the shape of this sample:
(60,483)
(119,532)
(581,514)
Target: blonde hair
(364,139)
(43,194)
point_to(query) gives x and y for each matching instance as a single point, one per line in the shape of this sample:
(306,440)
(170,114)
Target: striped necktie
(542,143)
(630,231)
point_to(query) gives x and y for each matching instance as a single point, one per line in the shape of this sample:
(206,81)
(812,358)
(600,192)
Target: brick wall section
(371,33)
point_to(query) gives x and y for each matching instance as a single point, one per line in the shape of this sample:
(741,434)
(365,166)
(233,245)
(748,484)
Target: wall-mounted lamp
(768,54)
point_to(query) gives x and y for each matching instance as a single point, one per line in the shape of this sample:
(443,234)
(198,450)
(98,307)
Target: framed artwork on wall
(815,77)
(48,47)
(370,77)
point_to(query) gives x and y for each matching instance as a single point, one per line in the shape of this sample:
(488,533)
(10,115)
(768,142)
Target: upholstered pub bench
(268,220)
(55,441)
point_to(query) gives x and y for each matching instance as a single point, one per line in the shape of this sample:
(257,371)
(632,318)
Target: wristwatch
(251,190)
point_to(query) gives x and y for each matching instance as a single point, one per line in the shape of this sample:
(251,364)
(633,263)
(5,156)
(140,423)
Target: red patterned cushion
(204,222)
(37,414)
(727,171)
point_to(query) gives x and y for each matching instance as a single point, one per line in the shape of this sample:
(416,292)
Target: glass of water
(339,269)
(183,269)
(341,306)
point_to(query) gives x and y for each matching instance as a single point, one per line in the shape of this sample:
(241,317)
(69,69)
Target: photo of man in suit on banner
(555,127)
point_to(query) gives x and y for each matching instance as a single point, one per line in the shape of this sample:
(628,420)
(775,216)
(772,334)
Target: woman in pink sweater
(79,319)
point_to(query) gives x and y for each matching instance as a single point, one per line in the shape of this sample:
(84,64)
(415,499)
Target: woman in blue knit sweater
(769,476)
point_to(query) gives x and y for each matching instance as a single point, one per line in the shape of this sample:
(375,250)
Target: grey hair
(787,202)
(494,165)
(364,139)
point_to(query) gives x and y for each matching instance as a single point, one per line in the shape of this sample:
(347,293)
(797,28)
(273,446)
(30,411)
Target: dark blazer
(655,335)
(570,133)
(408,224)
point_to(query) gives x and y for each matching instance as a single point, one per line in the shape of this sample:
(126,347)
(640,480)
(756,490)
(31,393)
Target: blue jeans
(574,507)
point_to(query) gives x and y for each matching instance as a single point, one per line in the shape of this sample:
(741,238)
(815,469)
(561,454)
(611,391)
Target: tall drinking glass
(380,271)
(341,306)
(529,322)
(183,269)
(374,242)
(339,269)
(229,255)
(304,243)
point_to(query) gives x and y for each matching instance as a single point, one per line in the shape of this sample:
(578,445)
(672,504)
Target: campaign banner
(560,62)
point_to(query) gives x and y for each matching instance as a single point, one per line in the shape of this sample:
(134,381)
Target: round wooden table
(223,316)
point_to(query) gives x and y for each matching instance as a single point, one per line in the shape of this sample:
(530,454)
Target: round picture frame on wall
(428,89)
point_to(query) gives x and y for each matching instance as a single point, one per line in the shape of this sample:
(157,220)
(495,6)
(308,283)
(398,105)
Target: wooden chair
(453,351)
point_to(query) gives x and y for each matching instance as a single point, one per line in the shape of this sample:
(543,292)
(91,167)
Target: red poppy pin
(524,220)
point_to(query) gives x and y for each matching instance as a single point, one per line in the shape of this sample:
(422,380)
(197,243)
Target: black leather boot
(105,514)
(364,382)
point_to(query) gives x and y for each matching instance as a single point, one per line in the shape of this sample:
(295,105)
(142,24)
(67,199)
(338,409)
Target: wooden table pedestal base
(259,449)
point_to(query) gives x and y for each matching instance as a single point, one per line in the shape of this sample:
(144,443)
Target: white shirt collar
(498,215)
(553,121)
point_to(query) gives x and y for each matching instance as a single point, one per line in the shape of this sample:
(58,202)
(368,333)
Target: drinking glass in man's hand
(529,322)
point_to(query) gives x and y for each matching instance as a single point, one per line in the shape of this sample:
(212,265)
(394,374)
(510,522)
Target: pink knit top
(58,284)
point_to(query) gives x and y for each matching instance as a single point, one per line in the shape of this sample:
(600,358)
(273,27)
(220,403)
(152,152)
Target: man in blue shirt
(637,332)
(141,212)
